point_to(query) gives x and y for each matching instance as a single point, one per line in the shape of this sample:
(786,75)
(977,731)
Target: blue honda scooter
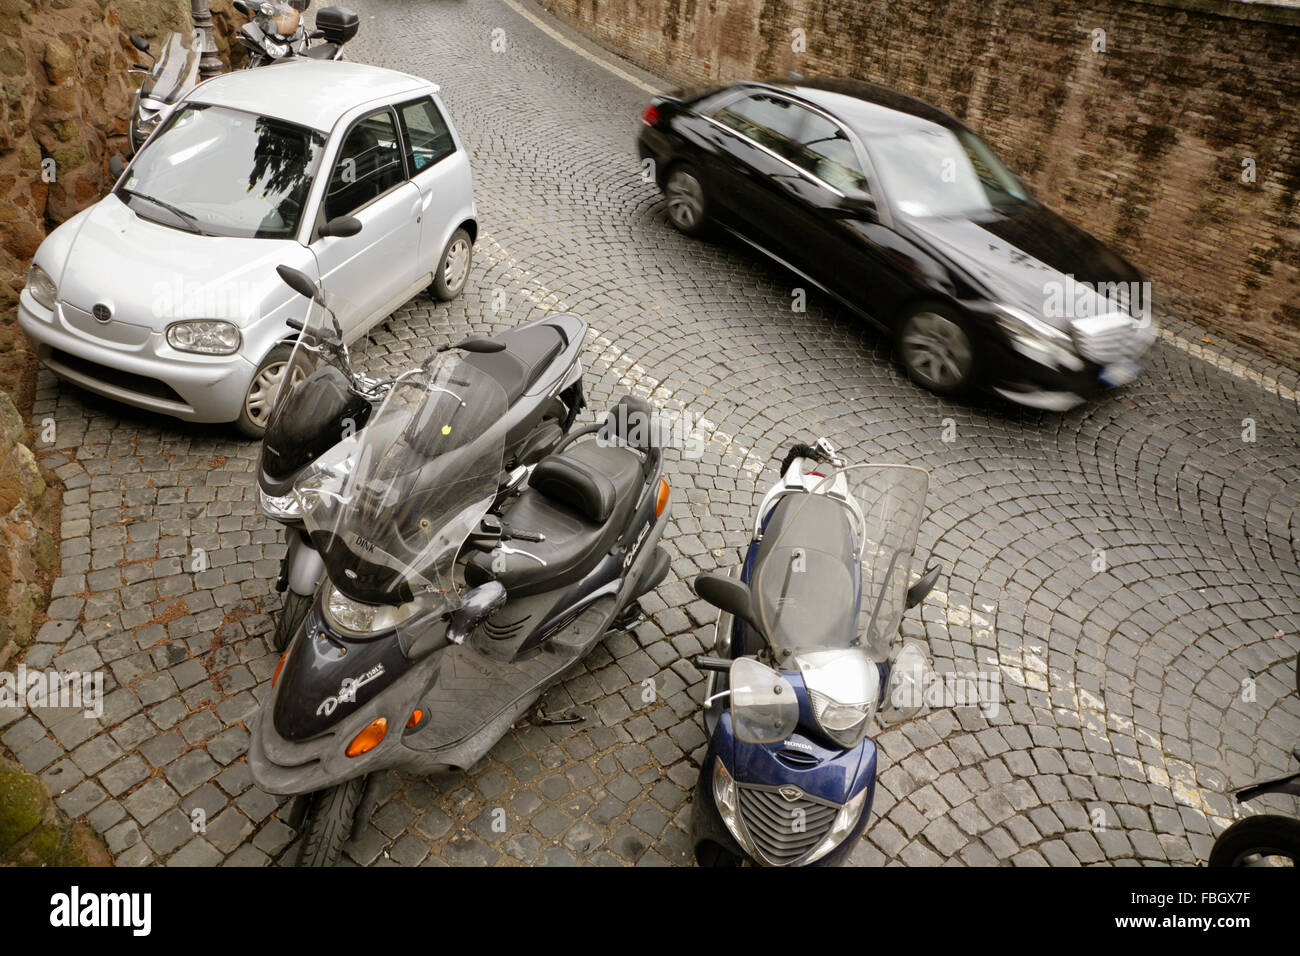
(804,655)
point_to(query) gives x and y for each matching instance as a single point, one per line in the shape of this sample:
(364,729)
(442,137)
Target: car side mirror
(341,226)
(918,591)
(116,166)
(857,205)
(140,43)
(477,605)
(727,594)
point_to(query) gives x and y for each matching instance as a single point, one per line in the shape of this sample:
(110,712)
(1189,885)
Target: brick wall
(1142,144)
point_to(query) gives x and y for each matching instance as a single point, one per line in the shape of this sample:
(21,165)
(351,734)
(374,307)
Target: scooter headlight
(844,689)
(349,615)
(844,822)
(279,507)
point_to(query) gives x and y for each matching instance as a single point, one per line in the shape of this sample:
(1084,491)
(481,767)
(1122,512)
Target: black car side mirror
(917,592)
(474,609)
(855,206)
(341,226)
(140,43)
(727,594)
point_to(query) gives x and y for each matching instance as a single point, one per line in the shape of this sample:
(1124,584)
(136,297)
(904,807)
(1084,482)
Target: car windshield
(224,172)
(935,172)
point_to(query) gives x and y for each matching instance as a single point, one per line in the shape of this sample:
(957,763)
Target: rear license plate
(1120,373)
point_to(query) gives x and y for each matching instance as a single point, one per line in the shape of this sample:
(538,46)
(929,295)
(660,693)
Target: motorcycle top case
(339,24)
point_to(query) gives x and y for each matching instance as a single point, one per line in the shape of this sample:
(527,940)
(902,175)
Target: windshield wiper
(181,214)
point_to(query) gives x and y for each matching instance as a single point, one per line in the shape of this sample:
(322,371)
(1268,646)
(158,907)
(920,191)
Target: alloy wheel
(685,199)
(261,394)
(457,267)
(936,349)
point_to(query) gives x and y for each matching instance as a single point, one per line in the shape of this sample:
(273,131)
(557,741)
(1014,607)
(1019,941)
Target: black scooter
(322,402)
(395,667)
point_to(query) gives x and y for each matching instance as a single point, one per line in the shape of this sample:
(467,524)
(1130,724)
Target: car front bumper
(1028,382)
(198,388)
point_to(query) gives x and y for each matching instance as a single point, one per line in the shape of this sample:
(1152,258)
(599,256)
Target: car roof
(313,93)
(870,109)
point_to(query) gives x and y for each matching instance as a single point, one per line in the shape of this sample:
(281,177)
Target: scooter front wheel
(291,617)
(328,822)
(1258,841)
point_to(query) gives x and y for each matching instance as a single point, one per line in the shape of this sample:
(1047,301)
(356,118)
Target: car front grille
(1110,338)
(140,384)
(784,831)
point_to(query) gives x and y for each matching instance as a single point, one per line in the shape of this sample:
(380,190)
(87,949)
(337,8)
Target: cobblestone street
(1130,569)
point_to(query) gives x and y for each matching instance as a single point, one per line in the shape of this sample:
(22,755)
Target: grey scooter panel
(306,566)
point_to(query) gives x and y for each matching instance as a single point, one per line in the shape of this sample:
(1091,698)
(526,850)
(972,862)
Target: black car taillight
(651,115)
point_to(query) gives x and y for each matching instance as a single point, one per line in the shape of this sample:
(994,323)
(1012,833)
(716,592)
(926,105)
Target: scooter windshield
(311,400)
(422,475)
(175,72)
(836,563)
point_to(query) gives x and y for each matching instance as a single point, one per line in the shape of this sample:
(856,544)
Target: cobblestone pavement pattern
(1134,696)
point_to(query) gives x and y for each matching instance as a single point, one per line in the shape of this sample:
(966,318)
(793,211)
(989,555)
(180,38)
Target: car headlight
(42,287)
(1038,340)
(205,336)
(845,820)
(350,615)
(279,507)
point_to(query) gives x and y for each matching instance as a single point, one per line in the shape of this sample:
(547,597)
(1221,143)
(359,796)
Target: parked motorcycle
(399,665)
(274,32)
(321,402)
(802,660)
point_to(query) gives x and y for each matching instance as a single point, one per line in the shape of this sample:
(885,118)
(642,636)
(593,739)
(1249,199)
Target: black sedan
(904,215)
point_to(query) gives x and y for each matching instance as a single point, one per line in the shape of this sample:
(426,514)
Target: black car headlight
(1038,340)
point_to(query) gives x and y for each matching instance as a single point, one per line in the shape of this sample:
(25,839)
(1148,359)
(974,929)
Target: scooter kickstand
(554,720)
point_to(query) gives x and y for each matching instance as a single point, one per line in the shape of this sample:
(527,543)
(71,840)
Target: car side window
(369,164)
(826,151)
(768,120)
(427,133)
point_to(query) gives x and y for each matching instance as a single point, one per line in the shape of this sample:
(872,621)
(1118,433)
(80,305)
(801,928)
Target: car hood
(152,275)
(1015,256)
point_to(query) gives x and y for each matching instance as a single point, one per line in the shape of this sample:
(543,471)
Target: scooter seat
(564,502)
(321,51)
(528,350)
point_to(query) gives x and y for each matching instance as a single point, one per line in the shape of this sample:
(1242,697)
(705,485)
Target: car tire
(453,267)
(934,345)
(688,203)
(259,397)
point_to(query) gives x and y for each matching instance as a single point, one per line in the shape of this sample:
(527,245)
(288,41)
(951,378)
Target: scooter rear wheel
(291,617)
(329,822)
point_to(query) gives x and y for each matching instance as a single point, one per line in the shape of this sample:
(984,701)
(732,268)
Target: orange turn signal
(279,667)
(417,715)
(662,501)
(368,739)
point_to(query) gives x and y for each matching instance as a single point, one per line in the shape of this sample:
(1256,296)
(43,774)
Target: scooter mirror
(918,591)
(474,609)
(140,43)
(116,166)
(764,708)
(727,594)
(299,282)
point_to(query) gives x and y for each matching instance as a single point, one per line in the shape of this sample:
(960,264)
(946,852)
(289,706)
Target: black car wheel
(688,207)
(936,349)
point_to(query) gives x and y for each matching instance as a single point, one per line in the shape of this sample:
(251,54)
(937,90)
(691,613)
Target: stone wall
(1144,144)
